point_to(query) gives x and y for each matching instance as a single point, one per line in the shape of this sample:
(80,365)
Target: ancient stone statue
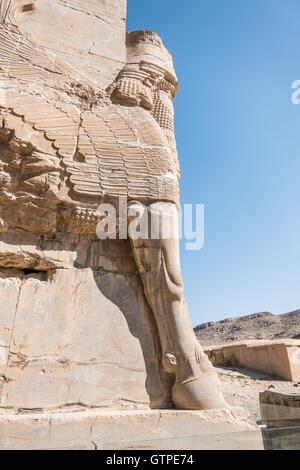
(85,119)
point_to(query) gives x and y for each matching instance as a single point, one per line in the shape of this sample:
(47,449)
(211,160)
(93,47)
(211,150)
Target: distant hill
(262,325)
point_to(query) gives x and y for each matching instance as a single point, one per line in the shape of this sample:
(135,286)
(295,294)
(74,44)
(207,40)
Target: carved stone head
(148,79)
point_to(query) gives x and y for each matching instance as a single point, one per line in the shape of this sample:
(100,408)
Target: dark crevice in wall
(21,273)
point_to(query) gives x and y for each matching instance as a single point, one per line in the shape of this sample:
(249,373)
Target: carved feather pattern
(111,150)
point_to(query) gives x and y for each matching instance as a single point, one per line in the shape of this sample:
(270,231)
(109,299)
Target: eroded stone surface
(280,358)
(178,430)
(87,117)
(89,35)
(280,408)
(80,336)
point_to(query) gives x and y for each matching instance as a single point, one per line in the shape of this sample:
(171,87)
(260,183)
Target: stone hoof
(201,393)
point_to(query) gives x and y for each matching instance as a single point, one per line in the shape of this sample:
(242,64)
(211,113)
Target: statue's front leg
(196,383)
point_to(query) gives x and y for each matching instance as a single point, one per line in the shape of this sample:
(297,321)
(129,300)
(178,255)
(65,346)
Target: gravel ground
(241,387)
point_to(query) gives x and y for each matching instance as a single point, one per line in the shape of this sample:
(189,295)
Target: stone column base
(130,430)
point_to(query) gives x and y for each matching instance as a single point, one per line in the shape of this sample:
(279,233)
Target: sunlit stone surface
(87,117)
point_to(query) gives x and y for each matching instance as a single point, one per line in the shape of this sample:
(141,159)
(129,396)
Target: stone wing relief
(119,157)
(72,140)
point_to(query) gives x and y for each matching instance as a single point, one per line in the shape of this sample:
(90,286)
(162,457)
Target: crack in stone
(11,340)
(25,361)
(94,15)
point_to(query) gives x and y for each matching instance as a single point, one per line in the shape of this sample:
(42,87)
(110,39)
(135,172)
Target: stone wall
(89,35)
(280,414)
(79,333)
(131,430)
(280,358)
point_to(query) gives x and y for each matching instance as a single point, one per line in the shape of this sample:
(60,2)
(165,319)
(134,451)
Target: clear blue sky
(238,137)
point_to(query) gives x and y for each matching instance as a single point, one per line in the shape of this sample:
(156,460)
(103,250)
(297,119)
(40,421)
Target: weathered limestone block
(275,357)
(89,35)
(280,407)
(131,430)
(280,414)
(9,292)
(80,336)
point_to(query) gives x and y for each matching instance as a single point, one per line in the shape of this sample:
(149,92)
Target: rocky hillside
(263,325)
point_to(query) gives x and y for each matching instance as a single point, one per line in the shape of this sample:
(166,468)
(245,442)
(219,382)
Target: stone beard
(81,126)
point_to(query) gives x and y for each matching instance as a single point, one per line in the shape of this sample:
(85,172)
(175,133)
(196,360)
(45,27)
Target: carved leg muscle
(196,385)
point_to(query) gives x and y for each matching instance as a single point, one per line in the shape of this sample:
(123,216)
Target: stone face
(280,358)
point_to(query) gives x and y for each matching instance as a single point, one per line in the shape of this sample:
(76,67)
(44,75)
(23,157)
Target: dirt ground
(241,387)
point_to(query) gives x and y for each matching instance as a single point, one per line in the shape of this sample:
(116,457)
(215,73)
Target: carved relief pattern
(67,145)
(73,142)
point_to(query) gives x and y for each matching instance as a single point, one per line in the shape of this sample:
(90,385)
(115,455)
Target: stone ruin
(96,345)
